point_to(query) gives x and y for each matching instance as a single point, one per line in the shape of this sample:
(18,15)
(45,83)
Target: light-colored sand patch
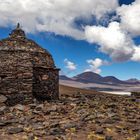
(118,92)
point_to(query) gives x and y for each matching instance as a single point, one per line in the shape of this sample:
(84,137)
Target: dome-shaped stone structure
(26,70)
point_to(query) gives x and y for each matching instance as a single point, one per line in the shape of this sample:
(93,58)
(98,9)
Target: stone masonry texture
(27,71)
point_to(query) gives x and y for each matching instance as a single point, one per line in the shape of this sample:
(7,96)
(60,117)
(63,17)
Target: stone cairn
(27,71)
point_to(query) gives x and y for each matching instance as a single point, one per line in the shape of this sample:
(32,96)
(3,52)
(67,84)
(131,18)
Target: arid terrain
(101,87)
(78,115)
(90,80)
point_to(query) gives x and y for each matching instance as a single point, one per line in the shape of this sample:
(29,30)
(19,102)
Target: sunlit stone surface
(26,70)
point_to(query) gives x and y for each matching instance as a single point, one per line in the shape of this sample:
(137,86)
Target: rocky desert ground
(78,115)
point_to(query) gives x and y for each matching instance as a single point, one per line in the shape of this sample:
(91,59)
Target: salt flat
(120,89)
(118,92)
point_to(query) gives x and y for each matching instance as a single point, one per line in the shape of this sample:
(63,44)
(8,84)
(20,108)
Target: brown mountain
(88,77)
(133,80)
(63,77)
(91,77)
(112,79)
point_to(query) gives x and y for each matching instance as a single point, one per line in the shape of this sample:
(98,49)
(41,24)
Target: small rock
(109,121)
(22,120)
(3,108)
(39,107)
(11,121)
(81,111)
(54,124)
(84,116)
(89,118)
(70,125)
(1,112)
(116,118)
(19,107)
(132,121)
(56,131)
(31,136)
(112,105)
(51,109)
(38,126)
(110,114)
(108,138)
(136,130)
(32,106)
(3,98)
(7,122)
(3,124)
(99,131)
(39,133)
(15,130)
(37,112)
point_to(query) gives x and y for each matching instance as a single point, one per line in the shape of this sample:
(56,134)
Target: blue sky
(74,54)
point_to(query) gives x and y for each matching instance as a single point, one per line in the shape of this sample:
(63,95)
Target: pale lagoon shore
(118,92)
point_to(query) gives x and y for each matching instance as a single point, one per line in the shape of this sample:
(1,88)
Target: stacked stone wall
(26,70)
(16,75)
(45,83)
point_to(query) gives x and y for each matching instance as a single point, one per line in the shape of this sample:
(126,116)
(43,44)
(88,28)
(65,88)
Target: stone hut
(27,71)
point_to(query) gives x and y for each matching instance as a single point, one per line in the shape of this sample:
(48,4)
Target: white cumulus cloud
(71,66)
(95,64)
(136,55)
(55,16)
(58,16)
(130,17)
(113,40)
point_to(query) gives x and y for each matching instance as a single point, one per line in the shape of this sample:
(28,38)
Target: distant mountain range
(91,77)
(133,80)
(63,77)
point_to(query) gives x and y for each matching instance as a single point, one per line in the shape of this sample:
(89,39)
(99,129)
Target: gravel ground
(73,117)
